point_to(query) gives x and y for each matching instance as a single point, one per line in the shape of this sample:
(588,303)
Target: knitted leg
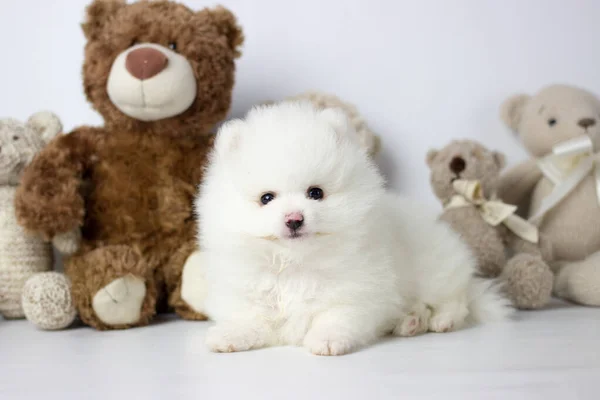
(47,301)
(113,287)
(580,281)
(17,264)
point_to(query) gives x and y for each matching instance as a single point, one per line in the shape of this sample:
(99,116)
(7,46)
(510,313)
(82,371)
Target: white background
(422,72)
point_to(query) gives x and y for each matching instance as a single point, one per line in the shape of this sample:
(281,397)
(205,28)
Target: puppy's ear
(46,124)
(337,118)
(500,159)
(511,110)
(228,136)
(97,14)
(430,158)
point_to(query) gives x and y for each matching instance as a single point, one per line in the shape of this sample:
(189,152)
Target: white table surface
(549,354)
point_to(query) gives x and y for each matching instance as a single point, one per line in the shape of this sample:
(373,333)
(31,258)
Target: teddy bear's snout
(458,165)
(145,62)
(586,122)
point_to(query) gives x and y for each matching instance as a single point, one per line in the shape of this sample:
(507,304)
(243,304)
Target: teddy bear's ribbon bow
(494,212)
(569,163)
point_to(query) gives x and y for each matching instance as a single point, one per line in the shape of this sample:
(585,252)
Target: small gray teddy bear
(21,255)
(465,177)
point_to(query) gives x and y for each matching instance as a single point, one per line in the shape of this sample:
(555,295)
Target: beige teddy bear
(21,255)
(464,176)
(560,185)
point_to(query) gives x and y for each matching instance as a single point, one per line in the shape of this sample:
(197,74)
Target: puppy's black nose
(294,224)
(457,165)
(586,122)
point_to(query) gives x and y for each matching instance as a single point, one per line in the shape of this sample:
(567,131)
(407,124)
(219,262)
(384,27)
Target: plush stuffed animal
(368,139)
(464,176)
(560,186)
(21,255)
(161,76)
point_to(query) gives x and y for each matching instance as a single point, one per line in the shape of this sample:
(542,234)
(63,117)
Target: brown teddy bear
(559,187)
(161,75)
(465,176)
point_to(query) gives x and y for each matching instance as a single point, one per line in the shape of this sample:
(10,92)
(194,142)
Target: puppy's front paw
(415,322)
(232,338)
(448,317)
(328,343)
(441,323)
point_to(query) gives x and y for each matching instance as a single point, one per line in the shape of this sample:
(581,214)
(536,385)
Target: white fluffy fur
(368,263)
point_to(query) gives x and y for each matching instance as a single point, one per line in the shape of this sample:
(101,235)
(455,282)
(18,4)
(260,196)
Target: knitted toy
(464,176)
(21,255)
(161,76)
(559,187)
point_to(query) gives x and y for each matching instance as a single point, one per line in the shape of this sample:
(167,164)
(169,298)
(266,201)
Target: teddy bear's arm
(517,184)
(48,201)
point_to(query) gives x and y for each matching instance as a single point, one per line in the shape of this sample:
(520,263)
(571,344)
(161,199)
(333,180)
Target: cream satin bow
(569,163)
(494,212)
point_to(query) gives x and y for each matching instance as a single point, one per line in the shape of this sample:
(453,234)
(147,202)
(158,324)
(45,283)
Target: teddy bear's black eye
(15,138)
(173,46)
(315,193)
(552,121)
(267,198)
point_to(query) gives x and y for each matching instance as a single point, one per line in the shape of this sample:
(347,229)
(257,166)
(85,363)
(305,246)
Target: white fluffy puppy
(303,246)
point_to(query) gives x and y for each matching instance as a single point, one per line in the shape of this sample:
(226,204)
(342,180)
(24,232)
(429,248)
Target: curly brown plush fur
(526,276)
(129,185)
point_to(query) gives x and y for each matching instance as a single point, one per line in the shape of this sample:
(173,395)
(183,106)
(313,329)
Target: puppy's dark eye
(267,198)
(173,46)
(315,193)
(552,121)
(15,138)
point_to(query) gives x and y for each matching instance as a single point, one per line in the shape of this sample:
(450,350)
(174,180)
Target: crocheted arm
(48,201)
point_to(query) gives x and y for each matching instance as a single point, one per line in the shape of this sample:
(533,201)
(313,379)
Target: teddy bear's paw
(67,243)
(229,338)
(120,302)
(193,282)
(415,323)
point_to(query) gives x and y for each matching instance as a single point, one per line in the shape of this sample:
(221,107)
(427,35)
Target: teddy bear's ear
(97,13)
(45,124)
(226,24)
(430,158)
(500,159)
(511,110)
